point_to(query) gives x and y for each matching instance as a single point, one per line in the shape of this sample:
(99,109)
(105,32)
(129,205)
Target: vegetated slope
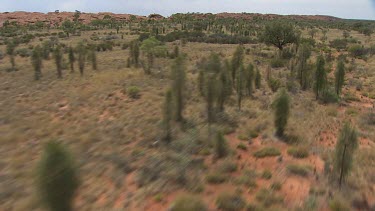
(53,18)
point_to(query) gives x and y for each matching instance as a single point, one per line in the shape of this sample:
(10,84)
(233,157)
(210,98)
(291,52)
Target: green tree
(57,178)
(148,46)
(81,49)
(36,59)
(93,59)
(279,34)
(221,146)
(11,46)
(240,86)
(303,54)
(346,145)
(72,59)
(210,95)
(178,86)
(258,78)
(68,27)
(201,83)
(167,116)
(237,61)
(134,52)
(58,55)
(320,76)
(249,79)
(224,89)
(339,76)
(281,106)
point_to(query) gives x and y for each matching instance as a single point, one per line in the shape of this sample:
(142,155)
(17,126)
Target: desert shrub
(242,146)
(188,203)
(230,202)
(133,92)
(267,198)
(338,204)
(57,178)
(300,170)
(274,84)
(221,146)
(267,174)
(277,63)
(298,152)
(248,178)
(339,44)
(281,105)
(23,52)
(329,96)
(216,178)
(276,186)
(369,118)
(227,166)
(357,51)
(267,152)
(309,41)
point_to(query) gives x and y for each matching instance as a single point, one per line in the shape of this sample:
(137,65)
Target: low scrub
(300,170)
(298,152)
(230,202)
(216,178)
(188,203)
(267,152)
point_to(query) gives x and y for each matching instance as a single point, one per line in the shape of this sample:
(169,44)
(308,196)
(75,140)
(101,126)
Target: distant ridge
(54,18)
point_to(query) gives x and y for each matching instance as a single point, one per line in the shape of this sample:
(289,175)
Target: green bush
(329,96)
(277,63)
(267,197)
(276,186)
(133,92)
(267,174)
(242,146)
(338,205)
(57,178)
(274,84)
(300,170)
(267,152)
(357,51)
(230,202)
(298,152)
(188,203)
(228,167)
(216,178)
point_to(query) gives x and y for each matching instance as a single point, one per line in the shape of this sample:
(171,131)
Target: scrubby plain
(115,120)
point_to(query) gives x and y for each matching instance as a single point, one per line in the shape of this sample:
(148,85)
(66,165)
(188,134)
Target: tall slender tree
(57,178)
(240,86)
(237,61)
(249,79)
(210,96)
(339,76)
(93,59)
(58,56)
(167,116)
(346,145)
(224,89)
(281,107)
(320,76)
(303,55)
(71,59)
(258,78)
(11,46)
(36,59)
(178,86)
(81,49)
